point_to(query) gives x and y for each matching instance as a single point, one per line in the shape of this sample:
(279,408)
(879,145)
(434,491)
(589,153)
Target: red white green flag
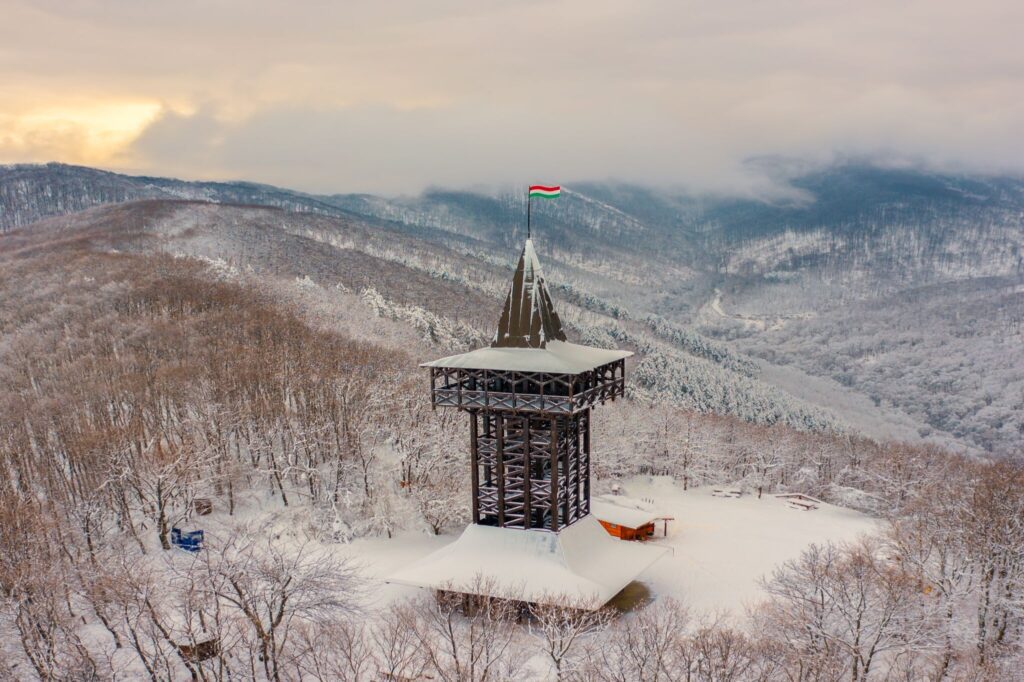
(545,191)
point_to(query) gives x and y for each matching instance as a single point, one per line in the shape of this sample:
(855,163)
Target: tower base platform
(581,565)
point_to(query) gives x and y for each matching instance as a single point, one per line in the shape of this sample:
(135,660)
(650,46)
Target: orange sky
(394,96)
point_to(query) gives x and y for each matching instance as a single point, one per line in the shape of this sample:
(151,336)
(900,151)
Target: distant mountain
(451,299)
(30,192)
(919,224)
(888,300)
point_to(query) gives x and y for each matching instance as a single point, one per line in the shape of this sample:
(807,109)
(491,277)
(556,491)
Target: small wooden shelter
(624,518)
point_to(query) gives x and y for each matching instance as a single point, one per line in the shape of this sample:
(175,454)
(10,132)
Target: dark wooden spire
(528,319)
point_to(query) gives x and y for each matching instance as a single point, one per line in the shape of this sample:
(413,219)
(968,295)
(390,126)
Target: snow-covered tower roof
(528,319)
(530,337)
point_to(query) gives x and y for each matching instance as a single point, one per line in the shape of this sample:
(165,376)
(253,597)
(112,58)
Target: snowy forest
(253,371)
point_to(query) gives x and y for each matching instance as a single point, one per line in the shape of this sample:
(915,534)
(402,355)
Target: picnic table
(800,501)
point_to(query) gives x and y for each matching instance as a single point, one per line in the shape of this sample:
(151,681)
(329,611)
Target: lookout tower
(529,398)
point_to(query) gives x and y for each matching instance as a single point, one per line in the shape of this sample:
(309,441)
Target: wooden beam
(488,424)
(581,465)
(554,473)
(500,465)
(475,463)
(569,487)
(527,486)
(586,451)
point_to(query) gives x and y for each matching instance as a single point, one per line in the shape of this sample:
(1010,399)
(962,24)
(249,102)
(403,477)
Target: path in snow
(758,322)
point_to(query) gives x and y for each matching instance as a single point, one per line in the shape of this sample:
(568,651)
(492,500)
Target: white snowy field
(720,546)
(723,546)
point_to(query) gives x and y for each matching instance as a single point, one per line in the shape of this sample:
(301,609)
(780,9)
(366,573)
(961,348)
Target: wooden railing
(456,394)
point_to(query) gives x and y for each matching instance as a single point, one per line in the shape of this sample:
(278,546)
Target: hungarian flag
(545,191)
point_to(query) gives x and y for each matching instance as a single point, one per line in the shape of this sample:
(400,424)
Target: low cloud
(355,98)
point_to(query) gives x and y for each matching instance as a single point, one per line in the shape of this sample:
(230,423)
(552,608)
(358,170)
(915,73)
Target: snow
(856,409)
(716,551)
(558,357)
(581,563)
(721,547)
(622,511)
(378,558)
(533,271)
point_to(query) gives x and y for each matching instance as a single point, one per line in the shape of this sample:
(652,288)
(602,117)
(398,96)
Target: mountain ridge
(675,275)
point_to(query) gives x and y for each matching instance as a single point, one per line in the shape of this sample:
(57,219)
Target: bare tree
(648,646)
(277,588)
(932,542)
(332,651)
(560,623)
(164,481)
(397,645)
(470,638)
(846,606)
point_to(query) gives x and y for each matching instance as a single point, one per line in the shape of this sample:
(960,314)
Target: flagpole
(528,234)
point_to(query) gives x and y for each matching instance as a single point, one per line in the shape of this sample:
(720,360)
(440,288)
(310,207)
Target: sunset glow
(91,132)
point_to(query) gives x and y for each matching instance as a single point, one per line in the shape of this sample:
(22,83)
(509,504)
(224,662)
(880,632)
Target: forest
(897,288)
(139,389)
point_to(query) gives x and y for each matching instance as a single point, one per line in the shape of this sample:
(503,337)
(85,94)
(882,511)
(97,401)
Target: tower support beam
(554,474)
(500,467)
(474,455)
(540,473)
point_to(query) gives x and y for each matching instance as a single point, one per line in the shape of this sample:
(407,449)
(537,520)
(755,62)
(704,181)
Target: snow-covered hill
(830,280)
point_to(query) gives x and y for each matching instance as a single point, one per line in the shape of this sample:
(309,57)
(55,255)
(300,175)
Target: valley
(783,281)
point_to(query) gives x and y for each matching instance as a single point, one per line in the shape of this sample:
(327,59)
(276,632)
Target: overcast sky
(391,97)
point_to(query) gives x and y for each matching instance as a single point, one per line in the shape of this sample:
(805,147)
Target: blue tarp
(189,541)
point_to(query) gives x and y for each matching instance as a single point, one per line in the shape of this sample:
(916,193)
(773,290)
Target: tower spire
(528,318)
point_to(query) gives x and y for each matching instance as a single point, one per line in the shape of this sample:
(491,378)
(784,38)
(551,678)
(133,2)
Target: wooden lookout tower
(529,398)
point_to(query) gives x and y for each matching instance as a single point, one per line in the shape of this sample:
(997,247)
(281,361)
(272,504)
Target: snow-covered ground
(721,546)
(380,557)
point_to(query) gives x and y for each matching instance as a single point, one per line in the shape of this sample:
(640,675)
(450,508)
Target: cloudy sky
(392,96)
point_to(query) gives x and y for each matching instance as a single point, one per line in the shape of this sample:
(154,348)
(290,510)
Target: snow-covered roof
(581,563)
(557,357)
(530,336)
(625,513)
(528,319)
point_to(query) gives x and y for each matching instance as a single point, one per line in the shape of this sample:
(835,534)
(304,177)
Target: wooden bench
(800,504)
(727,492)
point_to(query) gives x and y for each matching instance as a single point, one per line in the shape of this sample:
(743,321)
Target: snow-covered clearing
(721,546)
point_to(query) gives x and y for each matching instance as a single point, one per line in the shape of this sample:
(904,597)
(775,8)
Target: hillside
(833,304)
(30,192)
(450,299)
(251,373)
